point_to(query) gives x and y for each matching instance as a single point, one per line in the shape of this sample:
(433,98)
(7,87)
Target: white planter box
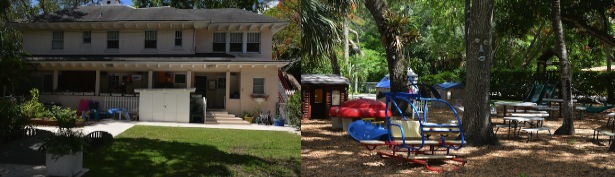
(67,165)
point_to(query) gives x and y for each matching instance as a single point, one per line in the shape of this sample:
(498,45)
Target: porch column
(188,79)
(97,85)
(227,91)
(56,75)
(150,76)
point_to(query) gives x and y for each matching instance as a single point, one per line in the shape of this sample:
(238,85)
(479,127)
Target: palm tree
(321,30)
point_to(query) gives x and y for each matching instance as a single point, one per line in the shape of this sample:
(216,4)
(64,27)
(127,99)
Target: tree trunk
(567,127)
(395,59)
(609,88)
(335,67)
(479,51)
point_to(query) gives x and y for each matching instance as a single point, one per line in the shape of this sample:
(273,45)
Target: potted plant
(64,149)
(278,121)
(247,116)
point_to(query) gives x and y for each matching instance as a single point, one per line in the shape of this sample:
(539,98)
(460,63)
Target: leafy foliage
(294,110)
(65,117)
(64,142)
(12,120)
(33,108)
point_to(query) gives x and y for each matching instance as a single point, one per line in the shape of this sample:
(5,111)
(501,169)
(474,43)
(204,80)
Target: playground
(325,152)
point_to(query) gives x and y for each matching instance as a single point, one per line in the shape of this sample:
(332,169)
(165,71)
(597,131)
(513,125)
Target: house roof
(326,79)
(115,13)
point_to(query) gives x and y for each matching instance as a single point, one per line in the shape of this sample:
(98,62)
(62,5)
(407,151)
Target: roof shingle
(126,13)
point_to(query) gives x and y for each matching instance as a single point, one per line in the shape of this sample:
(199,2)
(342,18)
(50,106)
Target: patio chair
(264,118)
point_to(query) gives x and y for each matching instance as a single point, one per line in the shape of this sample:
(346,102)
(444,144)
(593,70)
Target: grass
(172,151)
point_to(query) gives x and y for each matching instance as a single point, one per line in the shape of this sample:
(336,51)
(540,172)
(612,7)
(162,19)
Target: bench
(530,131)
(597,133)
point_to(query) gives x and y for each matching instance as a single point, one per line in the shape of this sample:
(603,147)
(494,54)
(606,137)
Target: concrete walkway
(116,127)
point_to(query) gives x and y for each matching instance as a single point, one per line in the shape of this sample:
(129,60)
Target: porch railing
(129,103)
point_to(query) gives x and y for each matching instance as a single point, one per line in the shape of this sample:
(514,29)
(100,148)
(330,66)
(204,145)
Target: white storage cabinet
(164,105)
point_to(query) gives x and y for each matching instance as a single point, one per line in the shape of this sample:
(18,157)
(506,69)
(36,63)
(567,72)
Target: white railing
(131,104)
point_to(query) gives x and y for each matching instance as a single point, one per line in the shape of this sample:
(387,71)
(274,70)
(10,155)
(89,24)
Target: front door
(318,103)
(200,84)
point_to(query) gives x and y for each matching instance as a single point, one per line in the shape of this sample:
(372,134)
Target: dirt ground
(334,153)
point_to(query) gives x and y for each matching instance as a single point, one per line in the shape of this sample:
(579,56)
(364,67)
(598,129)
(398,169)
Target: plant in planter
(33,108)
(247,116)
(279,121)
(65,148)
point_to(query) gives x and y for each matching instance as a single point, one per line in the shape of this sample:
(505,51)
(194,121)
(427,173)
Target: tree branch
(600,35)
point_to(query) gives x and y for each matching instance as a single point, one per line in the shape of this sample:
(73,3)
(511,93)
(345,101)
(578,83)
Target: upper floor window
(87,37)
(113,39)
(219,44)
(236,43)
(178,38)
(150,39)
(254,40)
(258,86)
(57,41)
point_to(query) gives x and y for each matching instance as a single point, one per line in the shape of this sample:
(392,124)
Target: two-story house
(106,52)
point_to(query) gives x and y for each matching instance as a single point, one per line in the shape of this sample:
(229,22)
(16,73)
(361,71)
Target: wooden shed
(321,91)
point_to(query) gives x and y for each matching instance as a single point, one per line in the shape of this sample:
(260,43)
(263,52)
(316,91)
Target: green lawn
(172,151)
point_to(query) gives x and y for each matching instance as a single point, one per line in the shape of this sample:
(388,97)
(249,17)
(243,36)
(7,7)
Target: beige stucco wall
(131,42)
(38,42)
(271,88)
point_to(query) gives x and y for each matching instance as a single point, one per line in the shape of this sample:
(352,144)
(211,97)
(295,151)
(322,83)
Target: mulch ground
(325,152)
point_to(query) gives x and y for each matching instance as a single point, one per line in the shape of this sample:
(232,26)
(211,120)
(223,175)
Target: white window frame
(87,35)
(234,41)
(150,36)
(253,38)
(254,85)
(57,40)
(178,37)
(216,40)
(112,37)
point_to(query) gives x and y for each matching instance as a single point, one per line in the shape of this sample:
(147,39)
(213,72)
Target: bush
(65,117)
(12,120)
(294,110)
(33,108)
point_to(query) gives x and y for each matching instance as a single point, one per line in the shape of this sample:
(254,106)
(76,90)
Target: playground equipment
(367,129)
(419,141)
(353,110)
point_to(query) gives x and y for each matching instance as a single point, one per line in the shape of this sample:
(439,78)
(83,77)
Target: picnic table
(515,105)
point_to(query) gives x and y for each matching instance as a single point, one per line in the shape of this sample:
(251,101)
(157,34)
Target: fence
(129,103)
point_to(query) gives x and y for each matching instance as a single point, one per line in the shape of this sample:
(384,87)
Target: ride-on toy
(420,141)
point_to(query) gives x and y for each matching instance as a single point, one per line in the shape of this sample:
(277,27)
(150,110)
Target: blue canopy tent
(386,83)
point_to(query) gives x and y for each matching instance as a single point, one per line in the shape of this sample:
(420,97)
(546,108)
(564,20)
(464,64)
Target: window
(180,78)
(219,44)
(318,95)
(178,38)
(236,42)
(47,83)
(150,39)
(57,42)
(113,40)
(258,86)
(114,80)
(254,40)
(87,37)
(335,97)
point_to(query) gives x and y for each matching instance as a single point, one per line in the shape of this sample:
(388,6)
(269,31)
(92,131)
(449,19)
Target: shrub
(65,117)
(294,110)
(12,120)
(33,108)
